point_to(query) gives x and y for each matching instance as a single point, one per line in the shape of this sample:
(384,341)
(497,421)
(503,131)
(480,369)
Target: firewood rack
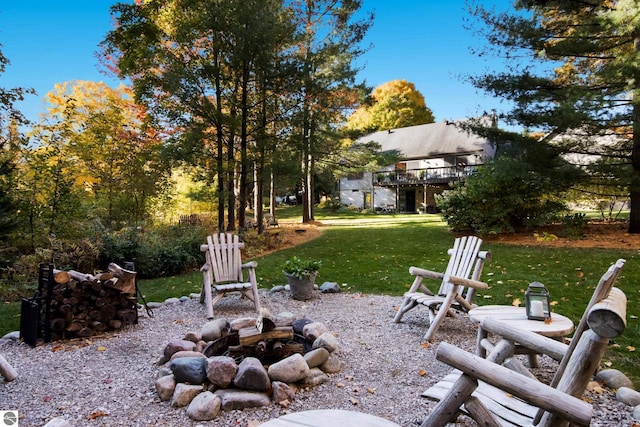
(35,322)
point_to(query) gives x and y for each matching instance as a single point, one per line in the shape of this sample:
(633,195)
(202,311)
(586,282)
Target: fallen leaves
(516,302)
(425,344)
(595,387)
(422,372)
(631,348)
(97,414)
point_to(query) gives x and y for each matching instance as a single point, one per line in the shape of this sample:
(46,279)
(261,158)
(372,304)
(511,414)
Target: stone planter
(301,289)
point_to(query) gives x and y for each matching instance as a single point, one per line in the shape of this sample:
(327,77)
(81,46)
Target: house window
(355,176)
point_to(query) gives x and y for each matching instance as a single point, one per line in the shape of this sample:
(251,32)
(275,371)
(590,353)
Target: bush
(503,196)
(161,251)
(574,225)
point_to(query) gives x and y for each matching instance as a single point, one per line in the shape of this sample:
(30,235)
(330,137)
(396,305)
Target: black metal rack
(35,314)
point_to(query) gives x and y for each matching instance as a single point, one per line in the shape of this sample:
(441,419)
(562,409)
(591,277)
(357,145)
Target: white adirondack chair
(457,284)
(223,271)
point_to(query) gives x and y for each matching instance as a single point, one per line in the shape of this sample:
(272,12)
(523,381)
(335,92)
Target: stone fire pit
(246,362)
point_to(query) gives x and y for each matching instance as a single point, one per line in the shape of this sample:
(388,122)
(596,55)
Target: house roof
(428,141)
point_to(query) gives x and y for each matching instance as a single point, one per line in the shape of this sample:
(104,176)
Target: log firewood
(127,278)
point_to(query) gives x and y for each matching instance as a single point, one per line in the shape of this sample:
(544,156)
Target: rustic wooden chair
(494,395)
(223,271)
(457,284)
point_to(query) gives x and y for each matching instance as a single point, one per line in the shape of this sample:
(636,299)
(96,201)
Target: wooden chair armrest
(541,395)
(451,279)
(466,282)
(531,340)
(416,271)
(250,264)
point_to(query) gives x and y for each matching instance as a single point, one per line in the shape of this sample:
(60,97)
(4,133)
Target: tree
(393,105)
(195,65)
(11,144)
(94,157)
(573,70)
(329,42)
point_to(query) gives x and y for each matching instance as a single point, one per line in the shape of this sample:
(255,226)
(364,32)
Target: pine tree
(573,71)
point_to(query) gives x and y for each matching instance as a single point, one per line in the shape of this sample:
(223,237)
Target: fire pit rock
(246,362)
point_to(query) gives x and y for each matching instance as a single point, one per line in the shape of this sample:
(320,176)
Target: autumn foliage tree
(92,156)
(392,105)
(573,73)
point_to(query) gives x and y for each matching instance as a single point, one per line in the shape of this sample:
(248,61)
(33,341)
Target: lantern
(537,302)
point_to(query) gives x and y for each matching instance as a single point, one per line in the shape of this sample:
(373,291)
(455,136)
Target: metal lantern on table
(537,302)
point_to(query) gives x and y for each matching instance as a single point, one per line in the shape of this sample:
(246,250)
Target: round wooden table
(329,418)
(559,326)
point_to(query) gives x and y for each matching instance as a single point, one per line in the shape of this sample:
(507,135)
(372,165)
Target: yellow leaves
(101,348)
(425,344)
(545,237)
(516,302)
(631,348)
(422,372)
(552,303)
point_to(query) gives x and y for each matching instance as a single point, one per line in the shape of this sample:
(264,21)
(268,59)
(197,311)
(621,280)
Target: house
(433,156)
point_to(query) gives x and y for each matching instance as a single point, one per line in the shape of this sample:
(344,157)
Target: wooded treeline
(230,101)
(251,88)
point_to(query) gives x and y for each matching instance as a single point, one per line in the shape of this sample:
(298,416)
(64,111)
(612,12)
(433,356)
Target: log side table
(559,326)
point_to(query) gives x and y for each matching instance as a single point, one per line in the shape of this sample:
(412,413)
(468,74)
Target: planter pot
(301,289)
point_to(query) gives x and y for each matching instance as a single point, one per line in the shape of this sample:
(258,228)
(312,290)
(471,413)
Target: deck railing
(423,176)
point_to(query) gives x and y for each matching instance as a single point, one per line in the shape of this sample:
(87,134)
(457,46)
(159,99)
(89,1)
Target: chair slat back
(225,259)
(464,257)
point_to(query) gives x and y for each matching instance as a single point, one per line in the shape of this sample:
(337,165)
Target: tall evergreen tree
(573,71)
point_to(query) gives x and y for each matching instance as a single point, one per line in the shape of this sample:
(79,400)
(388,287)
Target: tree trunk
(634,186)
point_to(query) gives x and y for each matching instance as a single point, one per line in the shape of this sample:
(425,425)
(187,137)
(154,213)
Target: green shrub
(301,268)
(503,196)
(157,252)
(574,225)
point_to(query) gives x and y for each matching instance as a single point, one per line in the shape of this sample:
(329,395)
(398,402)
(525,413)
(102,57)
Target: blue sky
(421,41)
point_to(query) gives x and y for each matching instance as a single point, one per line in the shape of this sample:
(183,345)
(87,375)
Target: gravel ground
(109,380)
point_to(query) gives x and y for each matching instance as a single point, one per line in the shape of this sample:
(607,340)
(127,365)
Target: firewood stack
(84,305)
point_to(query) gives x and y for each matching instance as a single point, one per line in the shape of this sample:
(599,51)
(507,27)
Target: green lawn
(372,254)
